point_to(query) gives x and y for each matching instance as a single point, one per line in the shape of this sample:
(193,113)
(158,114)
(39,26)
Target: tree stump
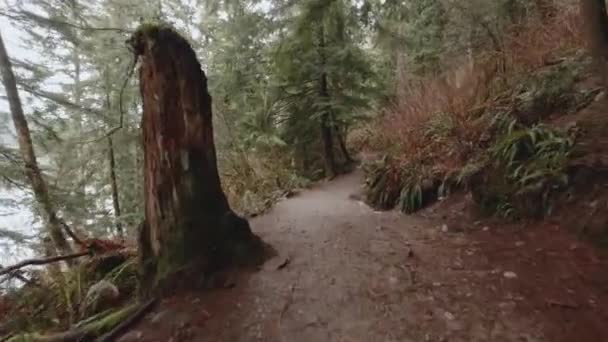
(189,224)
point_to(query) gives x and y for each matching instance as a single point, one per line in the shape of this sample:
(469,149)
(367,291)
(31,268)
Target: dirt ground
(347,273)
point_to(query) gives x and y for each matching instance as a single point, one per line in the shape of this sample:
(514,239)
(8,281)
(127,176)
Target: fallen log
(123,327)
(112,325)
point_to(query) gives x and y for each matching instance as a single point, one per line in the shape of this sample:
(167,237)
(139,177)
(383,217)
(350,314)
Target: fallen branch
(560,304)
(122,328)
(17,274)
(44,261)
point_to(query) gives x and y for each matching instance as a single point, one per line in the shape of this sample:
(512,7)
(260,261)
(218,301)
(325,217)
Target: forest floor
(345,272)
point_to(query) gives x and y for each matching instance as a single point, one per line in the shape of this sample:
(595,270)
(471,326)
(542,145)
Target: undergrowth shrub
(485,132)
(409,187)
(253,183)
(58,300)
(528,166)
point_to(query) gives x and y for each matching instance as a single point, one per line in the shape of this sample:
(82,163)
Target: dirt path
(358,275)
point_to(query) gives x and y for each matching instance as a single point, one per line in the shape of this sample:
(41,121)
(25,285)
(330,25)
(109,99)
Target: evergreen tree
(325,78)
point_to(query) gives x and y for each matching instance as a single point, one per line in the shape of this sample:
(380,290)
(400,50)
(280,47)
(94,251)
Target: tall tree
(326,77)
(39,187)
(595,20)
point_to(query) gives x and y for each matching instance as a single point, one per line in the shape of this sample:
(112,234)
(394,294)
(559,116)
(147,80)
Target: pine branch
(60,100)
(24,15)
(120,103)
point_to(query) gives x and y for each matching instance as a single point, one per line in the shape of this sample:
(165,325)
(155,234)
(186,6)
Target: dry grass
(253,183)
(437,124)
(535,44)
(458,96)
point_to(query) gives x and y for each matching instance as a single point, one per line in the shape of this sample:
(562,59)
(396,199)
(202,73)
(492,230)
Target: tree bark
(594,16)
(188,222)
(342,145)
(114,184)
(26,147)
(326,130)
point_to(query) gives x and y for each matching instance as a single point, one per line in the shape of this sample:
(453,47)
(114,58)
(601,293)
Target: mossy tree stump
(189,224)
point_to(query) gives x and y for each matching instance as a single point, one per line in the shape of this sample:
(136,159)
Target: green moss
(92,329)
(151,29)
(146,35)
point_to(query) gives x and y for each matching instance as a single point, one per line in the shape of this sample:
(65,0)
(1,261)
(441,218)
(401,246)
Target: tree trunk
(32,170)
(342,145)
(326,131)
(594,16)
(77,177)
(115,198)
(188,222)
(112,166)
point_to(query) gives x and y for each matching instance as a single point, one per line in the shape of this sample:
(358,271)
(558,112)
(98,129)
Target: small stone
(506,305)
(510,275)
(454,325)
(444,228)
(449,316)
(436,284)
(519,243)
(158,317)
(393,281)
(131,336)
(485,229)
(100,296)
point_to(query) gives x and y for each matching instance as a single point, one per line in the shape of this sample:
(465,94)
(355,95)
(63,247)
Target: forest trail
(354,274)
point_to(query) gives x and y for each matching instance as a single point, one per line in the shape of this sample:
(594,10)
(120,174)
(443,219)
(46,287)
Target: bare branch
(43,261)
